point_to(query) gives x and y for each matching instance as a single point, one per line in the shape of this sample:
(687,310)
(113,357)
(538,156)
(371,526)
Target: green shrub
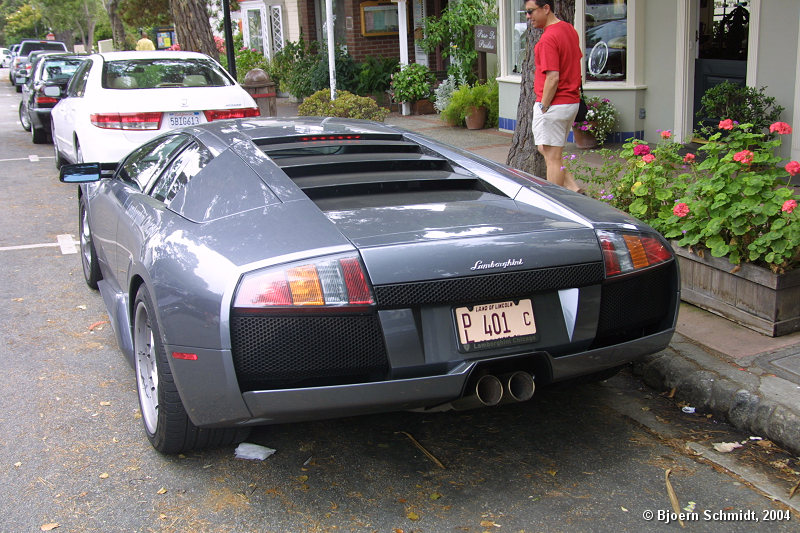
(295,62)
(346,70)
(346,105)
(413,82)
(745,105)
(463,100)
(375,75)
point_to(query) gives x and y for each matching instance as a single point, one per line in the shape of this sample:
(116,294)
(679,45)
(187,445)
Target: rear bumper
(40,119)
(215,400)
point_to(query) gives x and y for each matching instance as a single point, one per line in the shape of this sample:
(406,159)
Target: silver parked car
(261,271)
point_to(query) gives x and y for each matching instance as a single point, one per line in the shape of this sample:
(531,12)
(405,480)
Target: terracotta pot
(422,107)
(583,139)
(476,118)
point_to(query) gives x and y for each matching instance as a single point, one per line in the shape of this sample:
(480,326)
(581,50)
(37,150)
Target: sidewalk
(713,364)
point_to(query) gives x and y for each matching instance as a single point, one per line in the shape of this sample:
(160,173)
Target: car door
(66,112)
(126,201)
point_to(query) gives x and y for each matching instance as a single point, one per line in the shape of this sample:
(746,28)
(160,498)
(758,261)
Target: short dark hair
(542,3)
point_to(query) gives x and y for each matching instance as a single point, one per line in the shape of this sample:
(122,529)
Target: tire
(38,135)
(166,423)
(18,88)
(24,119)
(60,161)
(91,269)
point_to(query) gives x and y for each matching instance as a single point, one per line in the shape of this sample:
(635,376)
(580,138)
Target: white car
(117,101)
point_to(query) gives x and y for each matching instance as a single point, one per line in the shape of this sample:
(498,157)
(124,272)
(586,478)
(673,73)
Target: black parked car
(49,77)
(20,67)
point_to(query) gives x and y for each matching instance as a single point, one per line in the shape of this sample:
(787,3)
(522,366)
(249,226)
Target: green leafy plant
(732,198)
(445,91)
(346,105)
(295,61)
(746,105)
(454,32)
(346,70)
(601,118)
(375,75)
(464,100)
(413,82)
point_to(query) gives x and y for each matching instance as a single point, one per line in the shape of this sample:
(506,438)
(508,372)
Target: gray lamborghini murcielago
(262,271)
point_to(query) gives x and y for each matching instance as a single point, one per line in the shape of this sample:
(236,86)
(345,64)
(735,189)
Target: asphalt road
(73,456)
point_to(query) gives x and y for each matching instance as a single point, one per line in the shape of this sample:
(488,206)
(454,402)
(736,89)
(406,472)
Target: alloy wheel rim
(86,243)
(146,369)
(23,117)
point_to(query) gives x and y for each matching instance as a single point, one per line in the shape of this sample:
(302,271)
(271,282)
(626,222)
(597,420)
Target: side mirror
(80,173)
(52,90)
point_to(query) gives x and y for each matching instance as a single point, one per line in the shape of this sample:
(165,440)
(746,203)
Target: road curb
(741,404)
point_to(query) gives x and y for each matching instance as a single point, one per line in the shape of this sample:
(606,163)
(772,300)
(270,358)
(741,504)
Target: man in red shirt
(556,83)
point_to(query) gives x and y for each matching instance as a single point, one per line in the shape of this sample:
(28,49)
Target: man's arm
(549,90)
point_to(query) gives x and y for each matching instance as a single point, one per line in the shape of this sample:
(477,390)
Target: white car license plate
(188,118)
(492,325)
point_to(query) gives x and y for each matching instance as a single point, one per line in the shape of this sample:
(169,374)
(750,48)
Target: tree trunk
(193,27)
(523,153)
(117,28)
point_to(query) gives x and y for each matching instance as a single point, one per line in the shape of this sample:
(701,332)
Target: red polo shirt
(559,49)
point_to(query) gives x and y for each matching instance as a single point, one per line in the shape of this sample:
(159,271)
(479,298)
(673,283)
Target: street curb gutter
(739,401)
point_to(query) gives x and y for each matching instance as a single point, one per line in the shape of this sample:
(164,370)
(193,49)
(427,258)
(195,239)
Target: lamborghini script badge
(480,265)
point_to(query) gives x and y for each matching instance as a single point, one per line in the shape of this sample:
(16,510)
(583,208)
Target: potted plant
(733,216)
(601,119)
(468,105)
(413,83)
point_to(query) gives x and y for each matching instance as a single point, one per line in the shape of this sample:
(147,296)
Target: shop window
(515,35)
(606,36)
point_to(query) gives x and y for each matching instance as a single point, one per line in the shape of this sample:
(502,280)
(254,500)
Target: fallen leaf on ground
(624,509)
(97,324)
(162,490)
(673,498)
(412,515)
(726,447)
(81,307)
(489,523)
(49,527)
(18,464)
(19,299)
(435,496)
(105,404)
(104,475)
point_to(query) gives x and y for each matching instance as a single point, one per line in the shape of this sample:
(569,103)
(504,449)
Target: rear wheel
(91,270)
(166,423)
(24,119)
(38,135)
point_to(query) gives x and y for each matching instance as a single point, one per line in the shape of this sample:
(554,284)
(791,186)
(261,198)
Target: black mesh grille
(477,288)
(635,306)
(275,352)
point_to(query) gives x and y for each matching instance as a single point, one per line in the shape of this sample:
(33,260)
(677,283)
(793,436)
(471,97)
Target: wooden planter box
(754,297)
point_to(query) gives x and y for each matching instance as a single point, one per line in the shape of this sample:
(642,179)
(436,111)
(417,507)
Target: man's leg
(556,173)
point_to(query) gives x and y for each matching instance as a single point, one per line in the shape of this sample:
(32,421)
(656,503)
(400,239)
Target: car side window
(77,85)
(146,162)
(183,168)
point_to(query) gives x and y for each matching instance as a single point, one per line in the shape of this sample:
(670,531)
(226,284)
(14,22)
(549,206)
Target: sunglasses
(530,11)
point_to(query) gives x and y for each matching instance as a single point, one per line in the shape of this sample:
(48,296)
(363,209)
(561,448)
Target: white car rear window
(159,73)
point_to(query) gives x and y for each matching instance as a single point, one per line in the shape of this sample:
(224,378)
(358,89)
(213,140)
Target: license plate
(21,80)
(189,118)
(493,325)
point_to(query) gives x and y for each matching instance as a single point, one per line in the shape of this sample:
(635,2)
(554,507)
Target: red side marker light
(185,356)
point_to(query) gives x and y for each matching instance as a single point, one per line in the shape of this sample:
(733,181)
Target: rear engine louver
(353,165)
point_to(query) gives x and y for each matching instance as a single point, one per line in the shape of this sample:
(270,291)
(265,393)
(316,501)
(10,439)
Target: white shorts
(552,128)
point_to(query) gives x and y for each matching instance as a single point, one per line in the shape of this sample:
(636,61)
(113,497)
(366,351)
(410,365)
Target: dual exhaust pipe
(493,390)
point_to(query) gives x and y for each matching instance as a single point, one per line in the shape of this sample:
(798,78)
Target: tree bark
(117,27)
(523,153)
(193,27)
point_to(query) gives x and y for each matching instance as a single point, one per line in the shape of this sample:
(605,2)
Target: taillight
(334,281)
(627,252)
(126,121)
(222,114)
(46,100)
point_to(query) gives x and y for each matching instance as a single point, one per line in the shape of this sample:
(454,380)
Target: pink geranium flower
(648,158)
(780,127)
(680,210)
(792,167)
(726,124)
(666,134)
(688,158)
(788,206)
(641,149)
(745,157)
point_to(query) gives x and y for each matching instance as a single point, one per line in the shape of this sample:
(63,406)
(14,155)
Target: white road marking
(31,158)
(66,242)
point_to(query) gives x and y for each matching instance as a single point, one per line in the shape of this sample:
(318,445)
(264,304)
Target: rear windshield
(27,48)
(168,72)
(60,69)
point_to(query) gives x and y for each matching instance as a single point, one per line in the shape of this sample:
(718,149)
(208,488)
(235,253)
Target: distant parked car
(119,100)
(20,65)
(14,50)
(5,57)
(45,86)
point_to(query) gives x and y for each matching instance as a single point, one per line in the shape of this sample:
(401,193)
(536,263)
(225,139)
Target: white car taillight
(126,121)
(627,252)
(334,281)
(222,114)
